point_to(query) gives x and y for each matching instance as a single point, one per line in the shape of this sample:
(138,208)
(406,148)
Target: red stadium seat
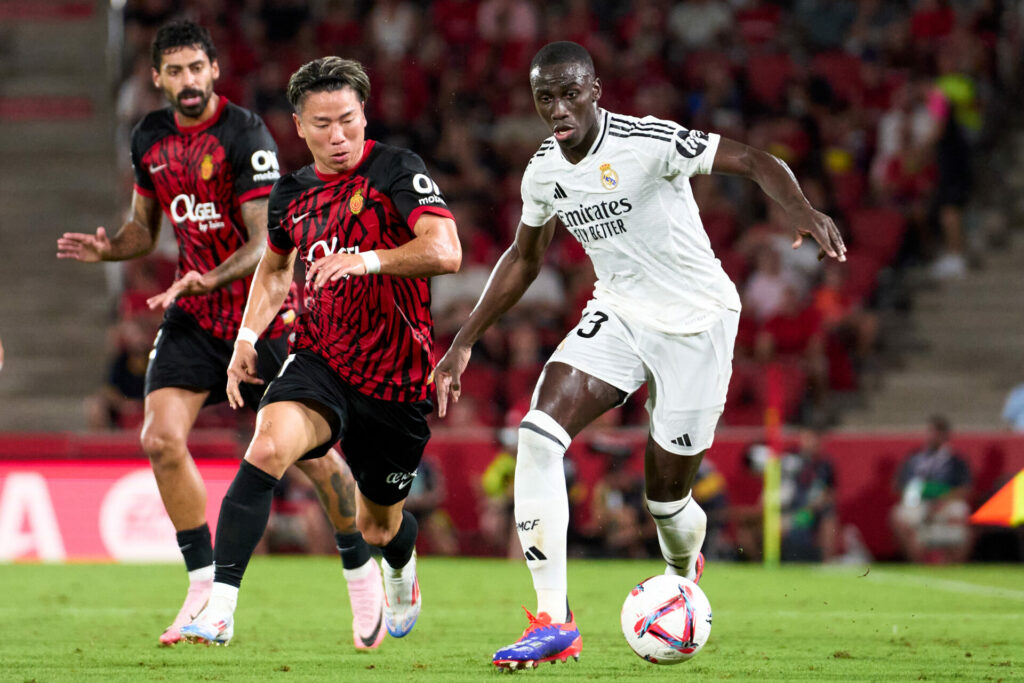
(848,189)
(861,275)
(878,232)
(749,390)
(720,227)
(842,71)
(767,76)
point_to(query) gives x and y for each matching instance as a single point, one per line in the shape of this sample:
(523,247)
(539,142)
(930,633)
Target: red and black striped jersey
(201,175)
(375,331)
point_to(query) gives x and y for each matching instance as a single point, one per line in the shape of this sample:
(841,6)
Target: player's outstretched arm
(779,183)
(517,268)
(137,237)
(269,289)
(435,250)
(236,266)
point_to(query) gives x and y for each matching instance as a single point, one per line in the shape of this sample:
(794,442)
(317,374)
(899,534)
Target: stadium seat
(749,390)
(848,189)
(861,275)
(842,71)
(767,76)
(878,232)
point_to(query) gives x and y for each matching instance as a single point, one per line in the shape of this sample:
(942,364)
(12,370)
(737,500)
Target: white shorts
(687,375)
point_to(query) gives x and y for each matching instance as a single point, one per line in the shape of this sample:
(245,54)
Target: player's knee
(264,452)
(376,532)
(541,441)
(163,447)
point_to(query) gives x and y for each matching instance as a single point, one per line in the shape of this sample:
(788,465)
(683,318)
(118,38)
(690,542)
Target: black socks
(353,550)
(399,551)
(196,547)
(243,519)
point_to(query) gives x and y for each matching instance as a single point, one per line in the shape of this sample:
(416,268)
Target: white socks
(681,528)
(201,575)
(359,572)
(542,508)
(223,598)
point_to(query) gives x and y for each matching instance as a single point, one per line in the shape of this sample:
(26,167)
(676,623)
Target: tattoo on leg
(346,492)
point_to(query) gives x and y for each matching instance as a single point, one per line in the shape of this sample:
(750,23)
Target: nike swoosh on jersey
(296,219)
(157,169)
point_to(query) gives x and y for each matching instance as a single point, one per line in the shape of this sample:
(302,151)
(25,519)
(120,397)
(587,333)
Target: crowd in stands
(877,106)
(880,108)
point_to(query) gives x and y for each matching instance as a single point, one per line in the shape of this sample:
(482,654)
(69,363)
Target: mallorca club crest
(609,178)
(206,168)
(355,204)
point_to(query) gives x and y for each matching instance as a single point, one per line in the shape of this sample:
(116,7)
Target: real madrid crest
(206,167)
(609,178)
(355,204)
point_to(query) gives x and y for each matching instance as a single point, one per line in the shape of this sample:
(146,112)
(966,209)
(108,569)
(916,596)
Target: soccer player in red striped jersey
(209,165)
(370,227)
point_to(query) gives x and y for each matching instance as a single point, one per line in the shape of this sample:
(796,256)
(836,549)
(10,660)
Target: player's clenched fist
(447,376)
(241,369)
(83,246)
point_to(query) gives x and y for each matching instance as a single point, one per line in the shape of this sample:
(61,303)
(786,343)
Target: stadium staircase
(58,174)
(963,343)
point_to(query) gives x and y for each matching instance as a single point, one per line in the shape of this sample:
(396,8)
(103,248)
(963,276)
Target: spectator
(619,516)
(426,495)
(1013,409)
(496,507)
(709,490)
(297,522)
(930,521)
(118,403)
(700,24)
(810,527)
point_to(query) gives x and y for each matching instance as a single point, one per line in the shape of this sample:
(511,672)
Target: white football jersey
(629,203)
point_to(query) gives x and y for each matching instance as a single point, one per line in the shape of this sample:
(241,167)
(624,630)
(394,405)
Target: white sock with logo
(681,528)
(542,508)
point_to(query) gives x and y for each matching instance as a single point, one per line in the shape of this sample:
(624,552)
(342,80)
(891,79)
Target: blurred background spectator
(934,483)
(810,525)
(426,494)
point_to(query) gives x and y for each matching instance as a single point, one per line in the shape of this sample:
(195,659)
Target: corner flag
(1006,507)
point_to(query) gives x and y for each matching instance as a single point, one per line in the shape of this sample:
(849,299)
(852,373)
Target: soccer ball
(666,619)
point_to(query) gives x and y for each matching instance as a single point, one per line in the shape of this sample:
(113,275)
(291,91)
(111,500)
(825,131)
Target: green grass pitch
(101,622)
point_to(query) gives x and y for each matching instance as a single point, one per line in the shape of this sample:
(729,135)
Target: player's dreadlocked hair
(562,52)
(328,74)
(180,34)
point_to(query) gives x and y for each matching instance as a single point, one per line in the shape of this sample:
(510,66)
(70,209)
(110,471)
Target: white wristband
(247,335)
(371,261)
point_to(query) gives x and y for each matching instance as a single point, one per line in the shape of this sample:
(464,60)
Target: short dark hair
(328,74)
(940,423)
(562,52)
(179,34)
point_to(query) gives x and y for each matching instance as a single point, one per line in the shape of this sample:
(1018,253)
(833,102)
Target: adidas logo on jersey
(683,440)
(559,192)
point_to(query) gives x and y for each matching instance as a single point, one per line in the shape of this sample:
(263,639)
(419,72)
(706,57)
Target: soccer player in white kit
(663,313)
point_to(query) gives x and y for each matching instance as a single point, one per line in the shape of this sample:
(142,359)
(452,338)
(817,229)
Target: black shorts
(383,441)
(188,357)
